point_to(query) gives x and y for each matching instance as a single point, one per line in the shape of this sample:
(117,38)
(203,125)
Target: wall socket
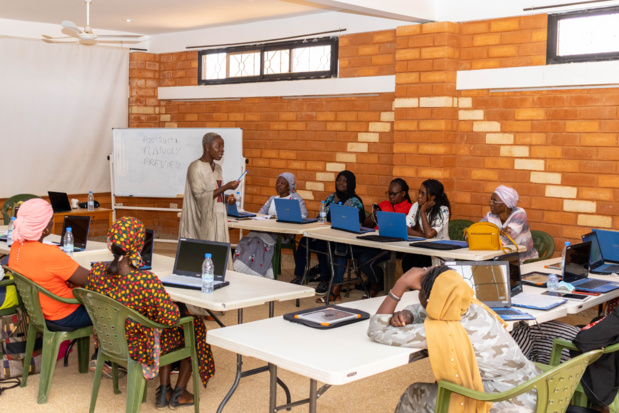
(173,205)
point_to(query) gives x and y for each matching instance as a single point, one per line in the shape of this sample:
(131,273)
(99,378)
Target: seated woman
(369,258)
(254,252)
(508,217)
(47,265)
(466,341)
(427,218)
(142,291)
(345,185)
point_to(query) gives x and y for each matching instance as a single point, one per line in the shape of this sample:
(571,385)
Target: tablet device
(535,278)
(328,316)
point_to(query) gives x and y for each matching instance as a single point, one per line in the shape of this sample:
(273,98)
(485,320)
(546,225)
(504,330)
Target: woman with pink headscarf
(47,265)
(507,216)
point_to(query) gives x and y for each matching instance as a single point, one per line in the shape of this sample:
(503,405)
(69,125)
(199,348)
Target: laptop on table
(80,226)
(187,271)
(346,218)
(147,250)
(490,281)
(289,210)
(604,251)
(391,228)
(59,201)
(233,211)
(576,270)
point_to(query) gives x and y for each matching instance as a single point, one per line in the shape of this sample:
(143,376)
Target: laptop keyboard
(610,268)
(507,311)
(590,284)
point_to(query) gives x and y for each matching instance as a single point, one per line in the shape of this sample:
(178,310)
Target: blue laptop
(346,218)
(393,224)
(289,210)
(597,263)
(233,211)
(576,270)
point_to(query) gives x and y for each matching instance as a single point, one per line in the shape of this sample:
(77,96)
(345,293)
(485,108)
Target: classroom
(474,94)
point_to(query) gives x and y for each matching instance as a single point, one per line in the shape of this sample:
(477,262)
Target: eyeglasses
(392,193)
(494,202)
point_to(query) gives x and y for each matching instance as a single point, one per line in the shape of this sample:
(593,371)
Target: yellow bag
(486,236)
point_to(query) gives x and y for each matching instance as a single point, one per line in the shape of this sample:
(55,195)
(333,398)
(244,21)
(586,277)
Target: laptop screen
(59,201)
(392,224)
(595,259)
(577,262)
(609,244)
(80,225)
(147,249)
(344,217)
(190,256)
(489,280)
(515,280)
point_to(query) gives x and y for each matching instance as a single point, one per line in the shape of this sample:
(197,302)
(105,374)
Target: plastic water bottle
(208,274)
(9,234)
(563,253)
(68,241)
(91,201)
(553,282)
(322,217)
(238,200)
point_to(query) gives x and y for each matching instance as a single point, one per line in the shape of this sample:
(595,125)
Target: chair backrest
(456,228)
(108,319)
(29,293)
(543,243)
(12,201)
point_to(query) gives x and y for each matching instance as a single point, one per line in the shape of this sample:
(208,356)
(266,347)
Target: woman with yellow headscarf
(467,343)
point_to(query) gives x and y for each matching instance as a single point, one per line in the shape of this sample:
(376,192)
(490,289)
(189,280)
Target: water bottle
(9,234)
(91,201)
(567,244)
(208,274)
(238,200)
(553,282)
(67,242)
(322,217)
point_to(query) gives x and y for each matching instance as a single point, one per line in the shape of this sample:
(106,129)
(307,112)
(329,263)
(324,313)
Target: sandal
(177,394)
(162,397)
(332,299)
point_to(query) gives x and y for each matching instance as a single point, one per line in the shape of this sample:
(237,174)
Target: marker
(241,177)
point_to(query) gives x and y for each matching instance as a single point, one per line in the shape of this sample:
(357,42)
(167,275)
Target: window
(583,36)
(302,59)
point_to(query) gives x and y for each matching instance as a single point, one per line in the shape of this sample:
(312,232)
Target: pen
(242,175)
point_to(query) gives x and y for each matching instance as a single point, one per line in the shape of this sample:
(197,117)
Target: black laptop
(60,201)
(80,226)
(576,270)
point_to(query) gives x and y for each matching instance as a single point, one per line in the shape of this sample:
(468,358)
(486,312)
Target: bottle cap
(567,243)
(12,218)
(207,255)
(90,192)
(69,229)
(322,202)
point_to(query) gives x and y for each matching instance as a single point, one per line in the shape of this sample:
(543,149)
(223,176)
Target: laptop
(519,297)
(59,201)
(233,211)
(346,218)
(187,271)
(147,250)
(576,270)
(609,244)
(289,210)
(391,228)
(597,263)
(491,283)
(80,226)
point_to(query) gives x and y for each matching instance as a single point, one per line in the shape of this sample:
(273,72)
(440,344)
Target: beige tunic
(203,217)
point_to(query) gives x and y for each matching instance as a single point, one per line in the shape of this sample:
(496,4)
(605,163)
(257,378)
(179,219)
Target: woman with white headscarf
(505,214)
(254,252)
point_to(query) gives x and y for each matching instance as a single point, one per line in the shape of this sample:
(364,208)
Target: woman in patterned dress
(449,321)
(142,291)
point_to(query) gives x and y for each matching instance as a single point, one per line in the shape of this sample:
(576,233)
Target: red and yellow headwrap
(128,234)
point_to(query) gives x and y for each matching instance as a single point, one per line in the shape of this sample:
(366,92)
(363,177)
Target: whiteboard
(153,162)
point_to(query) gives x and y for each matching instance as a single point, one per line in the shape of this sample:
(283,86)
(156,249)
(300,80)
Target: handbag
(486,236)
(13,330)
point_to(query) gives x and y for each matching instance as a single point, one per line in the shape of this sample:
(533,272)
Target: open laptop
(576,270)
(491,283)
(59,201)
(597,263)
(289,210)
(346,218)
(147,250)
(80,226)
(187,271)
(391,228)
(233,211)
(519,297)
(609,244)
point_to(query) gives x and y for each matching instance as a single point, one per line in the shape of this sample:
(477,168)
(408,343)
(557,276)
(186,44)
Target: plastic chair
(29,294)
(457,227)
(8,204)
(555,387)
(108,317)
(544,244)
(277,254)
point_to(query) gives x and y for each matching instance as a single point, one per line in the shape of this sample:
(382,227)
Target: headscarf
(451,354)
(351,181)
(128,234)
(32,218)
(292,185)
(509,196)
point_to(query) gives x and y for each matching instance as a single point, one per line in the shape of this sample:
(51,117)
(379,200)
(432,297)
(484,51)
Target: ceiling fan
(87,36)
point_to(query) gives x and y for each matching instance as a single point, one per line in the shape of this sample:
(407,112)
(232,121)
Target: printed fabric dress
(501,363)
(142,291)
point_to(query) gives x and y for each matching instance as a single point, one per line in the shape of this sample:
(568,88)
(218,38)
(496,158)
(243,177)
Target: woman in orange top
(47,265)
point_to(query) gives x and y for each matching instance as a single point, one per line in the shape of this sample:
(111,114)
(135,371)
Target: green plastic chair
(29,294)
(544,244)
(457,227)
(277,254)
(555,387)
(108,318)
(10,202)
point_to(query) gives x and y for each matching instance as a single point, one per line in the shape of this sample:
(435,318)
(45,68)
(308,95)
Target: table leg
(330,255)
(313,396)
(272,387)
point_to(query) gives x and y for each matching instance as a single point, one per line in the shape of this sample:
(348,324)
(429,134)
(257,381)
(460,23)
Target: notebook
(519,297)
(289,210)
(188,263)
(491,284)
(80,226)
(576,270)
(346,218)
(233,211)
(597,263)
(391,228)
(59,201)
